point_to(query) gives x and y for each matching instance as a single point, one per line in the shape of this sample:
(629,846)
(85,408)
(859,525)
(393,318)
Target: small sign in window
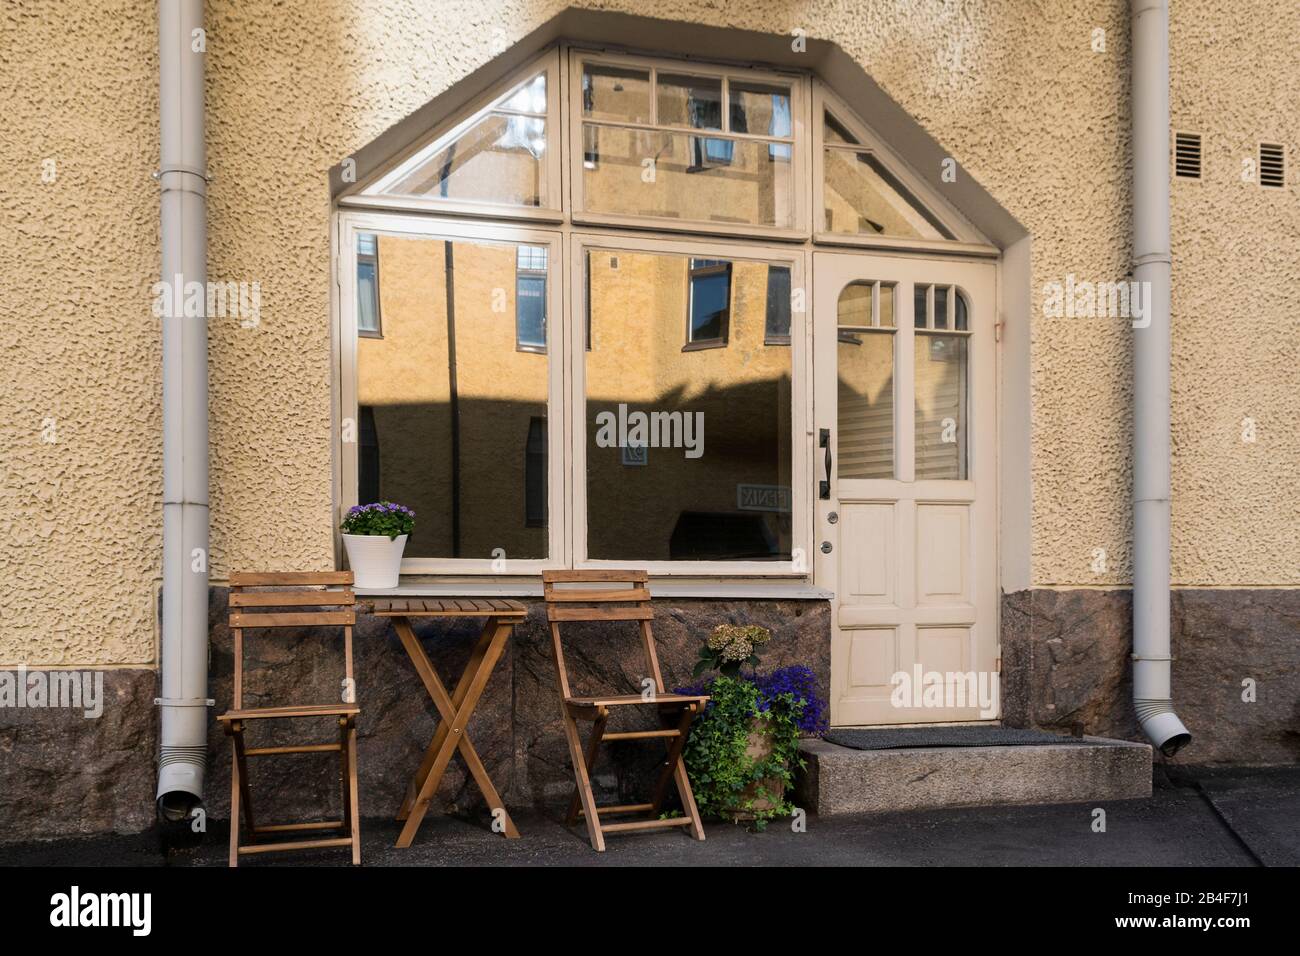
(763,498)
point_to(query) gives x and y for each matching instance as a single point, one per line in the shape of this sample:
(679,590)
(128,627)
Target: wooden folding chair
(619,596)
(259,600)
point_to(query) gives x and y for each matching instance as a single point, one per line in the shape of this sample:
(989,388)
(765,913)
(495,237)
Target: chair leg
(593,751)
(234,804)
(353,817)
(675,746)
(583,781)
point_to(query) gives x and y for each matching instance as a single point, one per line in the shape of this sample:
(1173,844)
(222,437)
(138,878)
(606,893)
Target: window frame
(439,228)
(801,503)
(373,258)
(693,272)
(568,232)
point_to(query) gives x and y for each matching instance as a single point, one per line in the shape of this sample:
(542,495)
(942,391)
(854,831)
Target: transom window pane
(688,451)
(863,197)
(760,108)
(865,370)
(456,412)
(615,93)
(500,158)
(692,101)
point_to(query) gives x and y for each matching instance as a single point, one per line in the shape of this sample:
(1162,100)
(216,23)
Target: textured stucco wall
(1010,87)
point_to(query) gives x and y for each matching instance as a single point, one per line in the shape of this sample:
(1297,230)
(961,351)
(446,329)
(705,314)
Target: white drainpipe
(1152,266)
(184,656)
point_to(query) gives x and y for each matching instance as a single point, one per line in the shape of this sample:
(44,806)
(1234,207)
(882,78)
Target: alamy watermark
(1075,299)
(76,690)
(178,299)
(931,689)
(626,429)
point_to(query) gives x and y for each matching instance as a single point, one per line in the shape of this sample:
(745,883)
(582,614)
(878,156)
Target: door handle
(824,441)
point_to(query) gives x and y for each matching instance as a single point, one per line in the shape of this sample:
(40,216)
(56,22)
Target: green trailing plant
(729,646)
(727,780)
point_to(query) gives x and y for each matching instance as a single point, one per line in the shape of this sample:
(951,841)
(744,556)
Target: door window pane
(865,370)
(452,428)
(638,172)
(941,410)
(688,451)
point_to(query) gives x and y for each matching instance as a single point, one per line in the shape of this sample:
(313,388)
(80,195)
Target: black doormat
(892,739)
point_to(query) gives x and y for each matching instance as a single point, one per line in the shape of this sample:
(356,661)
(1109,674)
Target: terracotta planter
(375,559)
(760,748)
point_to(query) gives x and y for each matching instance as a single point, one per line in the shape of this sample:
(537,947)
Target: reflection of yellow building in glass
(457,432)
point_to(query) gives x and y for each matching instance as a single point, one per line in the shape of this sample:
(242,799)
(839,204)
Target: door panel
(909,415)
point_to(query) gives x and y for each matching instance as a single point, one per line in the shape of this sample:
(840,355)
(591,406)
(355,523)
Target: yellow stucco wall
(1011,87)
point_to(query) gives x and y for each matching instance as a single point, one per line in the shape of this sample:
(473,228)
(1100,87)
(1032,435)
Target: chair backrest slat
(617,596)
(291,598)
(258,579)
(312,591)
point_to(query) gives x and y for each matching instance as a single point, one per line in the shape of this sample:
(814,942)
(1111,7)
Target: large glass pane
(499,159)
(688,451)
(694,101)
(455,412)
(615,93)
(941,414)
(862,197)
(681,176)
(865,369)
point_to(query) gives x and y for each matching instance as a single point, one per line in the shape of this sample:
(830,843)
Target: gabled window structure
(596,338)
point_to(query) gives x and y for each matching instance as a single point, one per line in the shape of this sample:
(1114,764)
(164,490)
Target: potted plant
(374,536)
(744,749)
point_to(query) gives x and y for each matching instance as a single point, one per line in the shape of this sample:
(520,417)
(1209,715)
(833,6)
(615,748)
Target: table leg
(469,691)
(433,685)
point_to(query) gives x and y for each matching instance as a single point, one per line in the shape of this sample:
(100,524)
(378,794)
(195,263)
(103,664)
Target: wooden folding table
(499,618)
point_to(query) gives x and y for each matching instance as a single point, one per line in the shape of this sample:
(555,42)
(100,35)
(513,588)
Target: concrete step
(839,780)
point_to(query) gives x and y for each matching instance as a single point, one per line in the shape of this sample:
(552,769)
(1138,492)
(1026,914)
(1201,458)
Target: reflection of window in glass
(863,197)
(453,400)
(709,309)
(661,146)
(368,285)
(367,456)
(865,370)
(530,299)
(713,466)
(941,358)
(777,328)
(535,474)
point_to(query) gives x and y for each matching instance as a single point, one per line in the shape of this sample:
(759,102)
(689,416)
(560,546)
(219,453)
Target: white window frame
(800,398)
(567,230)
(429,228)
(799,84)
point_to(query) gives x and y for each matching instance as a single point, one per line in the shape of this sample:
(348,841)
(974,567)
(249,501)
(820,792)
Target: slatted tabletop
(447,607)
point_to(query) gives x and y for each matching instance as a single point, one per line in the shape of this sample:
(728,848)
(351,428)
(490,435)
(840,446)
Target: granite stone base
(1065,665)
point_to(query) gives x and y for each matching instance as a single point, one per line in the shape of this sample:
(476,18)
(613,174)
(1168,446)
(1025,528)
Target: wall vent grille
(1272,165)
(1187,155)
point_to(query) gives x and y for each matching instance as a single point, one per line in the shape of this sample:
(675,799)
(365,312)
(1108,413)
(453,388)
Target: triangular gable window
(862,197)
(497,156)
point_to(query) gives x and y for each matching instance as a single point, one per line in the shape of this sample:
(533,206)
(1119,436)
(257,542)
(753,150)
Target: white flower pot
(375,559)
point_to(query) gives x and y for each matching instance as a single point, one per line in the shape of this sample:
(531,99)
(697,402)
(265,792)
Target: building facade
(886,222)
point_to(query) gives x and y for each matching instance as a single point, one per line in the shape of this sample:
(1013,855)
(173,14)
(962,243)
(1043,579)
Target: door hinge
(997,661)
